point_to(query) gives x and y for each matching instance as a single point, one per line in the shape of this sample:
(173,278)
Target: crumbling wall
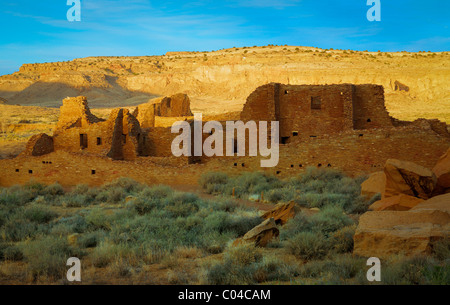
(78,130)
(369,110)
(177,105)
(312,110)
(158,142)
(146,113)
(75,112)
(435,125)
(39,145)
(307,111)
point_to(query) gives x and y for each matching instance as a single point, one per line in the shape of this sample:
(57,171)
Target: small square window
(93,172)
(30,171)
(316,103)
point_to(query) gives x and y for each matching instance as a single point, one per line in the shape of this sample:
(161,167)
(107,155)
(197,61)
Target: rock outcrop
(442,172)
(262,233)
(375,184)
(408,178)
(281,213)
(400,202)
(385,233)
(406,220)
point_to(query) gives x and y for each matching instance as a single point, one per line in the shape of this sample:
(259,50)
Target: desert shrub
(156,192)
(17,229)
(106,253)
(213,182)
(110,195)
(244,185)
(152,223)
(326,222)
(39,214)
(342,239)
(329,220)
(47,256)
(53,190)
(72,224)
(91,239)
(441,249)
(316,187)
(245,264)
(418,270)
(98,219)
(10,252)
(243,255)
(180,277)
(117,190)
(188,252)
(435,274)
(308,245)
(17,196)
(345,267)
(273,269)
(237,268)
(335,270)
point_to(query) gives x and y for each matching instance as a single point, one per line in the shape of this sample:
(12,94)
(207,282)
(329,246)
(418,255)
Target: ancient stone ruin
(313,110)
(341,126)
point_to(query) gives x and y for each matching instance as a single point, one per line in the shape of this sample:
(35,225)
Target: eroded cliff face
(415,83)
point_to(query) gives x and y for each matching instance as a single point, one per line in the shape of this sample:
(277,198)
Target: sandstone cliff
(415,83)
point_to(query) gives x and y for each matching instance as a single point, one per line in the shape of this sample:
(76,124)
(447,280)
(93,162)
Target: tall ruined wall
(369,110)
(314,110)
(158,142)
(79,131)
(177,105)
(75,112)
(260,104)
(146,113)
(132,140)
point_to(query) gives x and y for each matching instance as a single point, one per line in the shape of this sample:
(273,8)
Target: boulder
(442,172)
(262,233)
(385,233)
(403,177)
(373,185)
(438,203)
(281,213)
(400,202)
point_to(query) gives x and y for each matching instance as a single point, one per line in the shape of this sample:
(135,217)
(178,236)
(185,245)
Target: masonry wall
(306,111)
(118,138)
(158,142)
(310,110)
(369,110)
(353,152)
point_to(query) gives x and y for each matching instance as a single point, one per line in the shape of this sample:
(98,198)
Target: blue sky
(38,30)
